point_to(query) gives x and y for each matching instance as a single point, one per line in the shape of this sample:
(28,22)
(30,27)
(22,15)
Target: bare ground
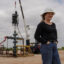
(36,59)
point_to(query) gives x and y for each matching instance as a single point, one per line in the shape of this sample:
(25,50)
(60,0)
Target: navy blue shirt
(45,32)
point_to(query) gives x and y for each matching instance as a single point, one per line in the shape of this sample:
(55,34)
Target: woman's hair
(43,16)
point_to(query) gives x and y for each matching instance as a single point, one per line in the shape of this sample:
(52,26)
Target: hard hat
(48,10)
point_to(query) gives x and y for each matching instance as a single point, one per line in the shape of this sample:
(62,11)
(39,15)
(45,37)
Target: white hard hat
(48,10)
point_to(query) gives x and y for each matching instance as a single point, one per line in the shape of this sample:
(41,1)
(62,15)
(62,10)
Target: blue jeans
(50,54)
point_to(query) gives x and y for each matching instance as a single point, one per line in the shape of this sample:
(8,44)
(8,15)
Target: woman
(46,34)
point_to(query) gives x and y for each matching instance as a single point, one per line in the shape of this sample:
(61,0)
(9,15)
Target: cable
(19,32)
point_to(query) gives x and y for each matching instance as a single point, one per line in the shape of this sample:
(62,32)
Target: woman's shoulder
(53,23)
(41,23)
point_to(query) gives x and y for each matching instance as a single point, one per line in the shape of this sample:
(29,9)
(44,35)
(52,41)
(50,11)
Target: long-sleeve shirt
(45,32)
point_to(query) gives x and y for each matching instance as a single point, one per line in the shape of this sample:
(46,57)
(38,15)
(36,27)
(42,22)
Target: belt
(53,41)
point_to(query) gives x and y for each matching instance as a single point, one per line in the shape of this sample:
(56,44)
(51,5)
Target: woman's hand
(48,42)
(56,42)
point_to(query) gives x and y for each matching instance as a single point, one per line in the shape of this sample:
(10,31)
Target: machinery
(15,37)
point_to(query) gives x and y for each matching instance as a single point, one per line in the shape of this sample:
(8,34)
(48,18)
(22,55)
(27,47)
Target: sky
(32,10)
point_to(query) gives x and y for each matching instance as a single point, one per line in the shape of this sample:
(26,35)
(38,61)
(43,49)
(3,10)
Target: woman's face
(49,16)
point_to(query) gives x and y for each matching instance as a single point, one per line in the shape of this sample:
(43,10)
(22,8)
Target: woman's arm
(56,34)
(38,33)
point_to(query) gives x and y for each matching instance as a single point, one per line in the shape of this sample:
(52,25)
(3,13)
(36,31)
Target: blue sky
(60,1)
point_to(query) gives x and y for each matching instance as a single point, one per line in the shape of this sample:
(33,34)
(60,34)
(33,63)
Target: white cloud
(32,10)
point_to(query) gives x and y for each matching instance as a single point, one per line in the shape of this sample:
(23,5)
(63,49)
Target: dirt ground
(36,59)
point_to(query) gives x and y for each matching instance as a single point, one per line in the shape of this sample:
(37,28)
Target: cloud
(32,10)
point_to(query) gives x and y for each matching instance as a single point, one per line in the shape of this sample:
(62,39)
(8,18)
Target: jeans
(49,53)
